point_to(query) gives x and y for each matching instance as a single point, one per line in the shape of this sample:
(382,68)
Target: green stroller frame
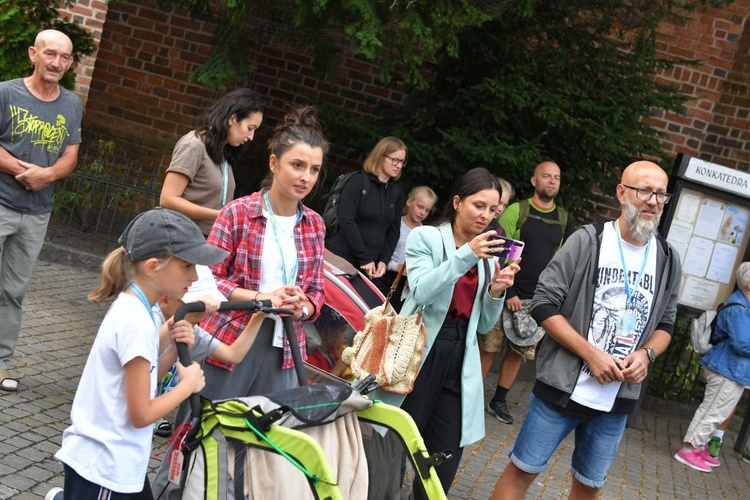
(218,426)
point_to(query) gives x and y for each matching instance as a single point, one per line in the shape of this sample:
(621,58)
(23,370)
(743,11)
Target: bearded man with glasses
(608,302)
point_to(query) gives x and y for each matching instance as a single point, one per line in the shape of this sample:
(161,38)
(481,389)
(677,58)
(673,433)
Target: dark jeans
(435,402)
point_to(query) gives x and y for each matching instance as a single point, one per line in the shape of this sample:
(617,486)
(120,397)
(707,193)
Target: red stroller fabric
(348,291)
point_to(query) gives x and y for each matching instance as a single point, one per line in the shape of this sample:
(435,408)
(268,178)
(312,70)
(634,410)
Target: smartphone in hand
(511,249)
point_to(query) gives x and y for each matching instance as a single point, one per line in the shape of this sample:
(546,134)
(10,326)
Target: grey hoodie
(567,287)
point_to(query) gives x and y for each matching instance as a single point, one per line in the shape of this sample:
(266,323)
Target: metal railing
(677,376)
(93,205)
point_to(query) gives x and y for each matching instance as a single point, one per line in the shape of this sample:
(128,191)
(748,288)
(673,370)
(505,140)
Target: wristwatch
(651,353)
(306,313)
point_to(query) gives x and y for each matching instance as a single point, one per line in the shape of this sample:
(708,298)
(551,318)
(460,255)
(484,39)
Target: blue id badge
(627,323)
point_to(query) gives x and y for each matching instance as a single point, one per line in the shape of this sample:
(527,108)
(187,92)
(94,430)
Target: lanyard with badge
(287,278)
(224,182)
(629,318)
(142,297)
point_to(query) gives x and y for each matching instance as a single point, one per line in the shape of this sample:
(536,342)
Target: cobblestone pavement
(59,327)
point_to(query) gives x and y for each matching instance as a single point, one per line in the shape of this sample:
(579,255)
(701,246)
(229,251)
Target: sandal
(162,428)
(8,383)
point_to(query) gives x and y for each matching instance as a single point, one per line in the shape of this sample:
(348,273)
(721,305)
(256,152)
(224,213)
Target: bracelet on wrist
(489,292)
(255,297)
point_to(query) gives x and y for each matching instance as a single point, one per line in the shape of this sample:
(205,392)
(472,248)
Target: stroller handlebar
(229,305)
(245,305)
(239,305)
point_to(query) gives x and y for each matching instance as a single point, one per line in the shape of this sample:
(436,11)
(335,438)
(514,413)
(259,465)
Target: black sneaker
(500,410)
(162,428)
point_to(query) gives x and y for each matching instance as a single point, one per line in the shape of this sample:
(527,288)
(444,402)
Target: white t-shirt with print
(102,445)
(606,330)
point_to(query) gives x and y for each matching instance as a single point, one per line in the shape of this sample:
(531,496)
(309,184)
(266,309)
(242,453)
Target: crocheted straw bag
(389,346)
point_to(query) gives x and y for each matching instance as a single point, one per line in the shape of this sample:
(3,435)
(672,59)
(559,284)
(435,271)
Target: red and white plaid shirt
(241,229)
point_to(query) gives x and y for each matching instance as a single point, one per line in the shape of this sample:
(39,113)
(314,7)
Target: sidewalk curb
(74,257)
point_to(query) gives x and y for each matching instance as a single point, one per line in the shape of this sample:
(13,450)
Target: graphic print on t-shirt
(611,330)
(616,324)
(48,135)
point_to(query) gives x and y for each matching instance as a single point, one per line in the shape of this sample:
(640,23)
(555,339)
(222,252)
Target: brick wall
(139,93)
(715,126)
(89,14)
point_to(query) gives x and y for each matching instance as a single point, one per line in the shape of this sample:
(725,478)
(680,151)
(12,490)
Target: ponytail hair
(117,273)
(299,125)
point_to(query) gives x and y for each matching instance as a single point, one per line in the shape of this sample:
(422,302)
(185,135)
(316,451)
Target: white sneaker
(54,494)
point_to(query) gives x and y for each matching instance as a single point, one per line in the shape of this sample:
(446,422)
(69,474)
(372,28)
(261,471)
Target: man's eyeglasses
(396,161)
(646,194)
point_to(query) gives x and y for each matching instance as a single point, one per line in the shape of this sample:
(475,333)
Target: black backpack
(524,214)
(330,212)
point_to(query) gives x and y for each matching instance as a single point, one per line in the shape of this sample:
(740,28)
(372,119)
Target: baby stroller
(348,291)
(318,438)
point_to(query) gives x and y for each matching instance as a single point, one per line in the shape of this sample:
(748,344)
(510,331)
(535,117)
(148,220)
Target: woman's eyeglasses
(396,161)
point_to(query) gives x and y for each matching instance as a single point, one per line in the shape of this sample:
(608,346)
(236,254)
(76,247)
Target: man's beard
(640,229)
(542,195)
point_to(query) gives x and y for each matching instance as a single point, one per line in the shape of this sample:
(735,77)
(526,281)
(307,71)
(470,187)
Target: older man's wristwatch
(651,353)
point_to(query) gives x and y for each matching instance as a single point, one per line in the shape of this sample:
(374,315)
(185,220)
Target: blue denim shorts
(544,428)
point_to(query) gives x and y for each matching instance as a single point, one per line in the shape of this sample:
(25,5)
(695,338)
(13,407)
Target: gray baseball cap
(161,231)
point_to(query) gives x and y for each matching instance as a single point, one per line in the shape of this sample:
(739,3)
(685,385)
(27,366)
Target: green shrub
(21,20)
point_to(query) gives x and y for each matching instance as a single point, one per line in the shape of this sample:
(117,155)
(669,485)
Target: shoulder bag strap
(394,285)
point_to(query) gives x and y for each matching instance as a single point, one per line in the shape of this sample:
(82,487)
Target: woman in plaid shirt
(276,249)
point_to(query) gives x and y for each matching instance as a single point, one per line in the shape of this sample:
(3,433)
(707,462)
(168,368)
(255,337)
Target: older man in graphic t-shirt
(608,302)
(40,131)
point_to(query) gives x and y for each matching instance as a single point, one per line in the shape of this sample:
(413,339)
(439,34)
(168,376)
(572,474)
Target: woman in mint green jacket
(453,273)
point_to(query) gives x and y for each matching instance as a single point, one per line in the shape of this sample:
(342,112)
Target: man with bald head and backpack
(608,303)
(543,226)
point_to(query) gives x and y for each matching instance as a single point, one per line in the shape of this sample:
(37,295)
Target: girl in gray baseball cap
(108,444)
